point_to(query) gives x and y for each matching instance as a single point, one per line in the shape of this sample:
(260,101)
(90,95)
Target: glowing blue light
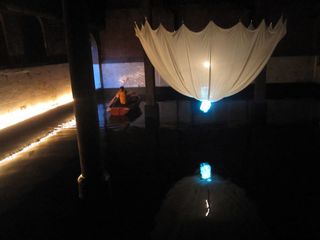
(205,106)
(205,171)
(96,76)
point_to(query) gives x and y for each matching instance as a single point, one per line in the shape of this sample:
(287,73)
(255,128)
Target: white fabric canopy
(211,64)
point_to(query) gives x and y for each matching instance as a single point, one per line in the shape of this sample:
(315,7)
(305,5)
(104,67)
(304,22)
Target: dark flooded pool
(272,167)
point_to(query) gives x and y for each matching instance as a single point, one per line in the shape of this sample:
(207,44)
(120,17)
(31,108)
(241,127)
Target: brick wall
(24,88)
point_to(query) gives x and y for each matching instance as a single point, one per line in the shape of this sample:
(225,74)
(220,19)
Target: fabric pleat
(213,63)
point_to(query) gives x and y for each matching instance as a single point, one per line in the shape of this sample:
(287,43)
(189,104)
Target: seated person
(120,99)
(122,95)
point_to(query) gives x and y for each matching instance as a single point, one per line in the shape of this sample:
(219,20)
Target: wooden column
(93,180)
(151,109)
(98,42)
(260,104)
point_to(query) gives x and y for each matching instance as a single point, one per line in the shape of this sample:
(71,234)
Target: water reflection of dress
(198,209)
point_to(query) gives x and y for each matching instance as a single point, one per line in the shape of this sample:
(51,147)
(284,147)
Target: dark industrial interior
(109,178)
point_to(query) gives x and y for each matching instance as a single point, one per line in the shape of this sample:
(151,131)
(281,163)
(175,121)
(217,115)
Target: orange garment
(121,95)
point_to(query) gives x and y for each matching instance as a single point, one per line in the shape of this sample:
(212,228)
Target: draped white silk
(213,63)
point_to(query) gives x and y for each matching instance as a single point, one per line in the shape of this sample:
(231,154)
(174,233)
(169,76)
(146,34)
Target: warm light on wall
(69,124)
(14,117)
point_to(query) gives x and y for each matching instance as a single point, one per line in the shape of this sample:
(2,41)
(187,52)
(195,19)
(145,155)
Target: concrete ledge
(23,133)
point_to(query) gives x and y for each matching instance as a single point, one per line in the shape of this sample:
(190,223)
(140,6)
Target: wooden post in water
(151,106)
(93,180)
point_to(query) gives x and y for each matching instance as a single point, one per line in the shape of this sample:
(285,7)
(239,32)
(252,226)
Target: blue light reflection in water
(101,115)
(205,171)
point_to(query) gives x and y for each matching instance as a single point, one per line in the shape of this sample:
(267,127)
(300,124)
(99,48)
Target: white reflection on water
(184,215)
(69,124)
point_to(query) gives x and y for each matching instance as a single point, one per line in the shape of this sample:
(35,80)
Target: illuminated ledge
(10,117)
(30,130)
(31,146)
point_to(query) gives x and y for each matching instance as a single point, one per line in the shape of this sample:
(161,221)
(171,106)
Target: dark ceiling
(96,8)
